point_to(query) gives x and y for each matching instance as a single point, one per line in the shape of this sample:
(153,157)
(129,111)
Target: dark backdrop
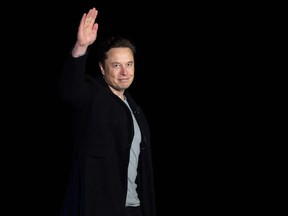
(178,83)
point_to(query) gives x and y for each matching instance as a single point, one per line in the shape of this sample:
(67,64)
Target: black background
(179,83)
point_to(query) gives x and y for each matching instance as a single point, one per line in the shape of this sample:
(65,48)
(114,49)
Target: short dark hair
(114,42)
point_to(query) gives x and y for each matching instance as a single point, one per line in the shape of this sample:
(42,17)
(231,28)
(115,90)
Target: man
(112,173)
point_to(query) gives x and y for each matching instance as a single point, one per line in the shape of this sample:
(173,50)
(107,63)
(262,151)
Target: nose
(123,70)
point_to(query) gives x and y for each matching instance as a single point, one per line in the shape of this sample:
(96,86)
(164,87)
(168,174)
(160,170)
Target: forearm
(72,78)
(79,50)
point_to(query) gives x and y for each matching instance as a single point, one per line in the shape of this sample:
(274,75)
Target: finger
(91,16)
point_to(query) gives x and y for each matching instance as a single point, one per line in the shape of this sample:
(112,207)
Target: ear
(101,68)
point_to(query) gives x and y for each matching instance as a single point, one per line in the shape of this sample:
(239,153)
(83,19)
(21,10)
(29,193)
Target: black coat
(103,132)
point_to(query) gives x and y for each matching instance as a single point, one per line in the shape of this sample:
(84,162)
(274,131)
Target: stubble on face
(119,69)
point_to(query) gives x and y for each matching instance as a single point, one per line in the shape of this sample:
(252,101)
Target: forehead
(120,54)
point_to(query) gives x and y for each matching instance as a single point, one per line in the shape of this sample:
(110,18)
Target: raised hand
(87,32)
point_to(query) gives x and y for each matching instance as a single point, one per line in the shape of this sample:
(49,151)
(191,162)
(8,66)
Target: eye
(116,65)
(130,64)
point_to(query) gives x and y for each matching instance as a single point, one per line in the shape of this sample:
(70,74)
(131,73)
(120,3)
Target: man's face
(118,69)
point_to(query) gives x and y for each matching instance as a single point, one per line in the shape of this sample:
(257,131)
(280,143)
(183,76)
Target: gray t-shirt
(132,196)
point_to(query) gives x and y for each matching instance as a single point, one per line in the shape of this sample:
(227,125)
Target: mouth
(124,80)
